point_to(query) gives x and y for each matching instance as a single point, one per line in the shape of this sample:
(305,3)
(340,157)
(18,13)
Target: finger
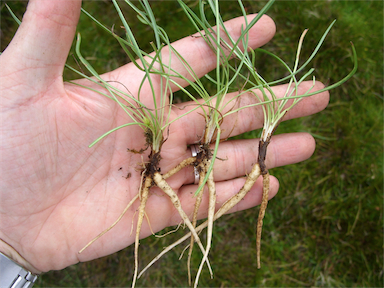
(252,118)
(236,158)
(39,50)
(198,54)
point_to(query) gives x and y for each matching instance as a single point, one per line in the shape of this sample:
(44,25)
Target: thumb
(39,50)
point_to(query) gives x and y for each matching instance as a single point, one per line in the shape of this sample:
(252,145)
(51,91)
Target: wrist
(12,254)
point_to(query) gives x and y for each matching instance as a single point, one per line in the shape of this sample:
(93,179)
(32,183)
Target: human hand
(57,194)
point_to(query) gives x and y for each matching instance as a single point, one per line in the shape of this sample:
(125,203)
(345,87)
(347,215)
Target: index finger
(198,54)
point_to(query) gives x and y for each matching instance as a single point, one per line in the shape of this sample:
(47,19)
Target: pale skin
(57,194)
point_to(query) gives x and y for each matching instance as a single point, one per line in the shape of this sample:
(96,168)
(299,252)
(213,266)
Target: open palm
(57,194)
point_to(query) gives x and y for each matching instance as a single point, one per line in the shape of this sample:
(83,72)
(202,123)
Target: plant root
(263,207)
(210,220)
(264,201)
(164,186)
(143,201)
(184,163)
(202,165)
(194,219)
(228,205)
(113,225)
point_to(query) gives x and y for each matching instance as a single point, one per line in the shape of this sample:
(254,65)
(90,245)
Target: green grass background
(325,226)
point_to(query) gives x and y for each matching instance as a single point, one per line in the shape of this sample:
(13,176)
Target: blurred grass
(325,227)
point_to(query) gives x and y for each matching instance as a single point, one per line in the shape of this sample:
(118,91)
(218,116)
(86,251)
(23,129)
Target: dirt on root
(204,153)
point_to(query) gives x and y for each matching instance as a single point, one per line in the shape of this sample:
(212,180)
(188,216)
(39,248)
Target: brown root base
(262,155)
